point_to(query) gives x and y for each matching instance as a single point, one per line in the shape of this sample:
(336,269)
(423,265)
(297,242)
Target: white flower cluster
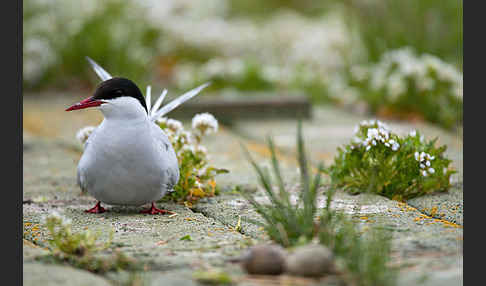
(205,123)
(395,67)
(377,135)
(174,125)
(195,149)
(83,133)
(424,163)
(374,136)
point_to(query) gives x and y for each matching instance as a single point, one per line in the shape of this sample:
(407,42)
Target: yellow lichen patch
(433,211)
(188,204)
(448,223)
(404,207)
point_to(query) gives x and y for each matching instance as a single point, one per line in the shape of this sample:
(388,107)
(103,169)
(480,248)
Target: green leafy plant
(379,161)
(196,175)
(364,258)
(403,84)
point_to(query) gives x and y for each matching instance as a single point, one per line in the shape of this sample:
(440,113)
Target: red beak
(88,102)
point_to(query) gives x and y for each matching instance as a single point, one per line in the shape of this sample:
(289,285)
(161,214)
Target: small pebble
(312,260)
(264,260)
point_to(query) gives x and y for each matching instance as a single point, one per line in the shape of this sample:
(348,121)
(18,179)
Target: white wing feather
(104,75)
(176,102)
(158,102)
(148,98)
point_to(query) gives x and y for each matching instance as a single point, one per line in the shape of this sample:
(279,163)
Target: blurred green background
(398,59)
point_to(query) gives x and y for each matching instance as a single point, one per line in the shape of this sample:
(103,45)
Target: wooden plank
(246,107)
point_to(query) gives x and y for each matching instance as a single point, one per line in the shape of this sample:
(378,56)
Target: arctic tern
(128,159)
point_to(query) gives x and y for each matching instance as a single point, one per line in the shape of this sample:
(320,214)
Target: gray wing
(80,176)
(165,146)
(81,182)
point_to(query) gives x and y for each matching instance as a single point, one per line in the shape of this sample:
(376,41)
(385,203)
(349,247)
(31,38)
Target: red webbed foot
(97,209)
(153,210)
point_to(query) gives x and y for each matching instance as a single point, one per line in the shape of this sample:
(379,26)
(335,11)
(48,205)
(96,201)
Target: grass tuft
(364,258)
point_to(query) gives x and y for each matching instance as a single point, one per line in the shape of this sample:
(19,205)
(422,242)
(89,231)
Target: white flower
(417,156)
(205,123)
(422,166)
(413,133)
(424,173)
(368,147)
(83,133)
(395,146)
(427,163)
(431,170)
(185,137)
(422,156)
(174,125)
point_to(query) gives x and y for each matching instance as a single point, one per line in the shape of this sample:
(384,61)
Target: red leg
(153,210)
(97,209)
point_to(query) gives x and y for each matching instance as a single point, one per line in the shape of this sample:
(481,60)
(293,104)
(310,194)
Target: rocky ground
(174,250)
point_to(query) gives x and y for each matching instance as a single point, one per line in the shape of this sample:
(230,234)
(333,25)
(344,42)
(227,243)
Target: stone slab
(420,241)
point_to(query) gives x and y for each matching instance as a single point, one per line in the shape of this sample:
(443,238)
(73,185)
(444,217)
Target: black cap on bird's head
(111,89)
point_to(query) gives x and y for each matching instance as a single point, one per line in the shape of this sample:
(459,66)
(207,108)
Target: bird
(128,159)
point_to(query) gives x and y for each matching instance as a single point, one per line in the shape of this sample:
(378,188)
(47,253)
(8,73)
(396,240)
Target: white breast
(124,163)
